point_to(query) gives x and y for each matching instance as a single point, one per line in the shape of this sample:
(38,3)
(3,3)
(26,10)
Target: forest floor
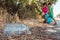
(38,30)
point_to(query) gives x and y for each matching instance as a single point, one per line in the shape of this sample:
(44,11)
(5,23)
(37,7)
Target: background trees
(24,8)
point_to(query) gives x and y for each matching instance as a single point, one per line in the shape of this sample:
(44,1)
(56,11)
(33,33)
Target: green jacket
(51,10)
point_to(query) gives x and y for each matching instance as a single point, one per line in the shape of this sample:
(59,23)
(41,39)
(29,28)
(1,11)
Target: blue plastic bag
(48,18)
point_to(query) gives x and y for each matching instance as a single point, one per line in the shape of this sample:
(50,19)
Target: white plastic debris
(15,29)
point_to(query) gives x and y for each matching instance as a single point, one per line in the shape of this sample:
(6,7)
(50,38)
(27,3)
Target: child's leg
(45,19)
(54,21)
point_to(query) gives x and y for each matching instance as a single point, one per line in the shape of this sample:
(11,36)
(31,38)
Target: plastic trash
(15,29)
(46,16)
(49,20)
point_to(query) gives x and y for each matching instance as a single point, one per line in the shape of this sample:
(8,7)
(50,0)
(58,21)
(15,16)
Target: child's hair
(44,3)
(49,3)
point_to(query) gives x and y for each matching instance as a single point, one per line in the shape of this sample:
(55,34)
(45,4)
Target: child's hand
(48,11)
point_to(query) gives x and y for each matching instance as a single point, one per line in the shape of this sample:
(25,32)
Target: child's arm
(47,10)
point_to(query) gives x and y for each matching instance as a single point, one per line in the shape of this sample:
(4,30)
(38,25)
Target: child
(51,12)
(45,10)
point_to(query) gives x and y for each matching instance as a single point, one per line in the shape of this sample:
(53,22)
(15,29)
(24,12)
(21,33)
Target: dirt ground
(38,33)
(37,29)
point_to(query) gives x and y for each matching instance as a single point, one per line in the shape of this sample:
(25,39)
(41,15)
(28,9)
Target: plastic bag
(48,18)
(15,29)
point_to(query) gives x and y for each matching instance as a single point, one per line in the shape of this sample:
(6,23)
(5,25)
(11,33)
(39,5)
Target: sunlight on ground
(50,30)
(57,28)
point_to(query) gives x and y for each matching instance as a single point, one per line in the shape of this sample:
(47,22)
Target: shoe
(55,24)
